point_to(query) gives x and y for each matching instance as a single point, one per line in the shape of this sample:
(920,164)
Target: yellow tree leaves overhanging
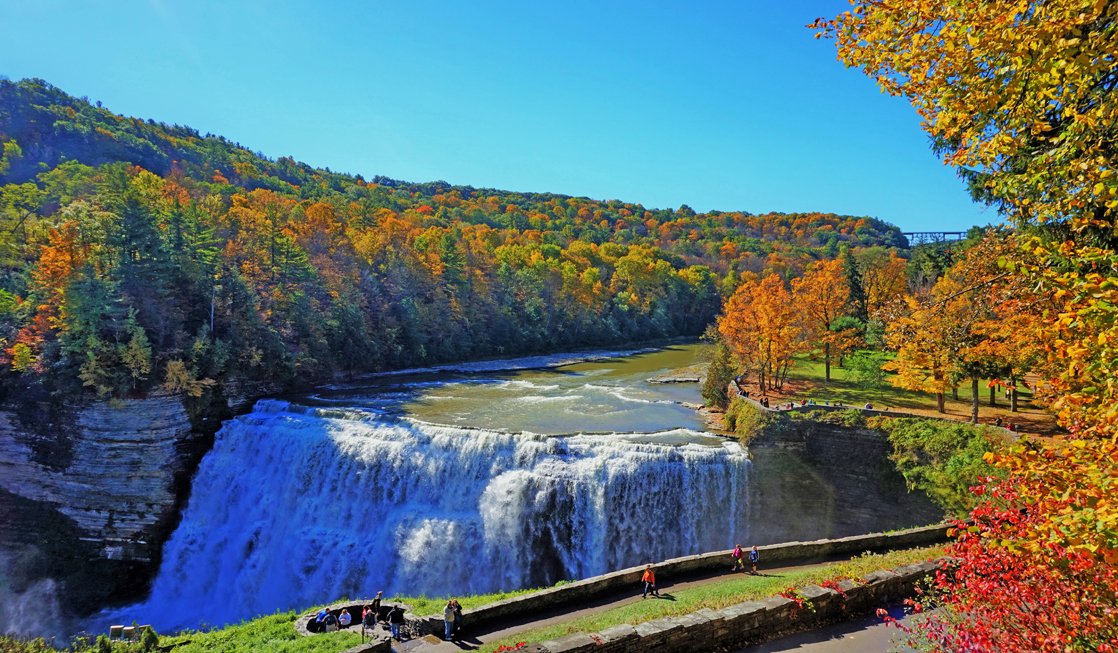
(1020,96)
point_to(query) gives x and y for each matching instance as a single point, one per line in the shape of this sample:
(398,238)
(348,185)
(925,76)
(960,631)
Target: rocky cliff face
(88,494)
(829,480)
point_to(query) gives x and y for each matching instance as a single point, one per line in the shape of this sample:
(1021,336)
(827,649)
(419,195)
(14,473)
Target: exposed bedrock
(88,494)
(816,479)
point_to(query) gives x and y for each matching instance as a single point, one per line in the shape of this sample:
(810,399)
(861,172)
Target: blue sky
(718,105)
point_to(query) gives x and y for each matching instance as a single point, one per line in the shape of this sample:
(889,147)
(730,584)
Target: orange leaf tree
(762,329)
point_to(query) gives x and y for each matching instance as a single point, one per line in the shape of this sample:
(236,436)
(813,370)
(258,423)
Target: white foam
(296,506)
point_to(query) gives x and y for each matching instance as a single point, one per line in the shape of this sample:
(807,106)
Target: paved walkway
(865,635)
(475,638)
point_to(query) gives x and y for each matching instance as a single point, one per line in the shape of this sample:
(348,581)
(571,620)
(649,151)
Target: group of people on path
(370,618)
(328,621)
(739,556)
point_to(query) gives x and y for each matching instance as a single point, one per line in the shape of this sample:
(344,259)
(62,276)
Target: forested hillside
(135,254)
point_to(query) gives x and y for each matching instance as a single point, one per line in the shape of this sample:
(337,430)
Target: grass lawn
(807,380)
(735,588)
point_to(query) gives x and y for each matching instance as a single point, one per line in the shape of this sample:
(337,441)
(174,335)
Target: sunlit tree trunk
(974,399)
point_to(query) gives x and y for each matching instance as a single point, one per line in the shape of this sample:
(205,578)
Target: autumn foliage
(136,255)
(1020,96)
(762,329)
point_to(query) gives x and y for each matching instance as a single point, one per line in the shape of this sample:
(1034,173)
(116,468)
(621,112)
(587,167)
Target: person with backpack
(754,556)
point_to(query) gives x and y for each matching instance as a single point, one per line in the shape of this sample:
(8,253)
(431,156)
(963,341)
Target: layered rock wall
(88,494)
(828,480)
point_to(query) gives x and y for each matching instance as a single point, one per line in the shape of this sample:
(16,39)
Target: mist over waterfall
(296,506)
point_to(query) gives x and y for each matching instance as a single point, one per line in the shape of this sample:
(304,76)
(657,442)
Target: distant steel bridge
(925,237)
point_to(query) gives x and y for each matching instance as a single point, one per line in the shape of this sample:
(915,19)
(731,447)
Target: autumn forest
(139,255)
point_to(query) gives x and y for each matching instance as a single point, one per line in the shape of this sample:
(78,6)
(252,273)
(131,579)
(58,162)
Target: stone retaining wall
(789,552)
(748,622)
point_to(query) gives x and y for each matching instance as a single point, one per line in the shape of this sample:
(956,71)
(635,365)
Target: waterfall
(33,611)
(297,506)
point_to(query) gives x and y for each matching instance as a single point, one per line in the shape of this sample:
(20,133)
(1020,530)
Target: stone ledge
(597,586)
(751,621)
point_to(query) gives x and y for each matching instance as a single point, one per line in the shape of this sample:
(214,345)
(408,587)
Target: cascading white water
(296,506)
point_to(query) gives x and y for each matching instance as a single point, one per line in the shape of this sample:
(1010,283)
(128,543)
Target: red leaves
(1028,578)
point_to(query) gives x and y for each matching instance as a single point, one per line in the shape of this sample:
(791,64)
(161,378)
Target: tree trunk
(939,402)
(1013,393)
(827,360)
(993,395)
(974,400)
(955,393)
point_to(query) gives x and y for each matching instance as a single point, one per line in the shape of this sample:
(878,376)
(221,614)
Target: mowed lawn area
(807,380)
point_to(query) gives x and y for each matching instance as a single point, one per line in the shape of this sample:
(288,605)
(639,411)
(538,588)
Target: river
(462,479)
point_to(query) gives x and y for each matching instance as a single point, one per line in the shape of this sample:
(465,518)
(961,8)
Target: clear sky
(718,105)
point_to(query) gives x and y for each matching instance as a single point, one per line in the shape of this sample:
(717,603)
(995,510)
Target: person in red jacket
(738,557)
(649,580)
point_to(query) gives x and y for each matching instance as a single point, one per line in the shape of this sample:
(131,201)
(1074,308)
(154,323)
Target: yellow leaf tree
(820,296)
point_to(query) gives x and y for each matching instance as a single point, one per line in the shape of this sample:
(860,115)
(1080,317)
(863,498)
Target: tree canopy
(135,254)
(1020,96)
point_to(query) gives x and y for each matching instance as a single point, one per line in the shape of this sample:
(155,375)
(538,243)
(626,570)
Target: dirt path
(475,638)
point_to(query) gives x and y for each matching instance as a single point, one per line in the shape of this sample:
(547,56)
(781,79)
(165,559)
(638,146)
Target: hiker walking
(754,556)
(395,621)
(649,580)
(739,558)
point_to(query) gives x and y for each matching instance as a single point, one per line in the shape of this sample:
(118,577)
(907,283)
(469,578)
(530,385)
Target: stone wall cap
(776,602)
(815,592)
(618,633)
(573,642)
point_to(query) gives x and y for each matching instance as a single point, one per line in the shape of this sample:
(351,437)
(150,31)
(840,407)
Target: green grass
(277,632)
(845,388)
(734,589)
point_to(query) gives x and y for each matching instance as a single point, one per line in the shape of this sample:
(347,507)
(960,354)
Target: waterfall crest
(296,506)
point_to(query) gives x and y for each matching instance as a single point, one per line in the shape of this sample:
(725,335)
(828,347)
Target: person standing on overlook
(649,580)
(448,619)
(754,556)
(376,606)
(368,621)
